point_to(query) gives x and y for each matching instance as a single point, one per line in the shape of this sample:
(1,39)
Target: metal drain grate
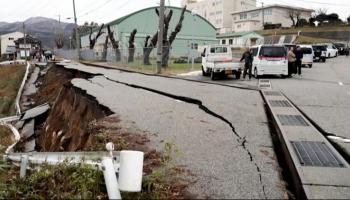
(316,154)
(272,93)
(265,85)
(265,81)
(292,120)
(280,103)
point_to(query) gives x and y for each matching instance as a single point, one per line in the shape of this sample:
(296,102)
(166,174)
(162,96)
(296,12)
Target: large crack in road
(241,140)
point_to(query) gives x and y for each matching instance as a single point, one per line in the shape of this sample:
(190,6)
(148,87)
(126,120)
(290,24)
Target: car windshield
(339,45)
(323,48)
(306,50)
(273,52)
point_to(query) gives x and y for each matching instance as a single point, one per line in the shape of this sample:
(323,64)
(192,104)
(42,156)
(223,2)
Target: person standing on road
(291,61)
(248,63)
(299,56)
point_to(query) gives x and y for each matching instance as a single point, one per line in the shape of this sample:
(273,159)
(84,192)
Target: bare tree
(294,16)
(148,47)
(167,42)
(172,37)
(59,41)
(132,46)
(115,43)
(93,40)
(105,47)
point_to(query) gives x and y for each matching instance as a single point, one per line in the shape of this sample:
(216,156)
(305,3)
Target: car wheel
(204,73)
(256,73)
(324,60)
(336,54)
(310,66)
(212,75)
(329,55)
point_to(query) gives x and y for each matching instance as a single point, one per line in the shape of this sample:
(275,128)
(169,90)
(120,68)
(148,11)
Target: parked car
(332,51)
(221,60)
(308,55)
(270,60)
(341,48)
(320,53)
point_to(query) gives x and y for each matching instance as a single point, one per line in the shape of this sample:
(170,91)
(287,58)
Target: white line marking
(340,83)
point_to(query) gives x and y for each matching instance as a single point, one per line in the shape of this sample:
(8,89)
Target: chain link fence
(180,59)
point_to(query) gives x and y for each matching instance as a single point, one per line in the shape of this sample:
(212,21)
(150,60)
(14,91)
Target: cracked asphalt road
(211,150)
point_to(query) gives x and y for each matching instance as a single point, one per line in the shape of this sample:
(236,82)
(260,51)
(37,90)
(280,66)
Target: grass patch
(172,69)
(62,181)
(312,40)
(11,77)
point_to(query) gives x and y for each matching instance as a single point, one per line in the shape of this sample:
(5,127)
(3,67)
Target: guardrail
(19,94)
(128,165)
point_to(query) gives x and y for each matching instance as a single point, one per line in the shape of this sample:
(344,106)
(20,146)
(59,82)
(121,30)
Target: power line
(93,10)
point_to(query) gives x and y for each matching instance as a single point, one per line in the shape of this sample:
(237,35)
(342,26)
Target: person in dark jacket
(299,56)
(248,59)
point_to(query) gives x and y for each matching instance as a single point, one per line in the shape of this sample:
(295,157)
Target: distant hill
(45,29)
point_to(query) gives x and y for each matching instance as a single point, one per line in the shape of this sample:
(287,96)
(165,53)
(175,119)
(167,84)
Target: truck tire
(212,75)
(204,73)
(256,73)
(238,75)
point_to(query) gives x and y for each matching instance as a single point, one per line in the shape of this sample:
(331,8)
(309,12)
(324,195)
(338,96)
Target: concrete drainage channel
(316,169)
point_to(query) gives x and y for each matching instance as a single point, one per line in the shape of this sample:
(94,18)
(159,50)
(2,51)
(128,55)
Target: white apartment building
(253,19)
(8,40)
(218,12)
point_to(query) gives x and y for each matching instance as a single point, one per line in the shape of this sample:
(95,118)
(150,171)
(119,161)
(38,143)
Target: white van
(332,51)
(221,60)
(269,60)
(308,55)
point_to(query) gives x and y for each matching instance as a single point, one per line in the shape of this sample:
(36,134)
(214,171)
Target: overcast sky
(103,11)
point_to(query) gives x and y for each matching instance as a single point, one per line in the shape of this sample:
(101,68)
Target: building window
(230,41)
(268,11)
(254,14)
(223,41)
(11,38)
(218,12)
(243,16)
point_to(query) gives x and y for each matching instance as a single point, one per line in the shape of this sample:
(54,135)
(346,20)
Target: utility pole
(25,42)
(160,36)
(77,37)
(263,14)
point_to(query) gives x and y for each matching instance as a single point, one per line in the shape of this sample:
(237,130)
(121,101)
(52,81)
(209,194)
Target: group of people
(295,57)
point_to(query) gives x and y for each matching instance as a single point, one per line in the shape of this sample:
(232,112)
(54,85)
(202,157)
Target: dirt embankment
(71,112)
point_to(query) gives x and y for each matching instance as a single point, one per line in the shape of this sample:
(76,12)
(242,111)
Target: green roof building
(194,28)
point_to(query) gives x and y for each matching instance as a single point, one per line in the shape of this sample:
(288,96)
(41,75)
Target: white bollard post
(110,179)
(23,168)
(130,171)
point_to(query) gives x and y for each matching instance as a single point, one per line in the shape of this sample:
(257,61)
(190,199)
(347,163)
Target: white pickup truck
(221,60)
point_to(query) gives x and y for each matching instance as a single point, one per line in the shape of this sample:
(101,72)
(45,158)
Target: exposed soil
(162,180)
(76,122)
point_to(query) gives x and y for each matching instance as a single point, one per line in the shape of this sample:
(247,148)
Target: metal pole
(77,37)
(192,45)
(25,43)
(263,14)
(110,179)
(160,36)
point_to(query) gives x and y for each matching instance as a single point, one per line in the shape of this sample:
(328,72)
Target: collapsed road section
(224,141)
